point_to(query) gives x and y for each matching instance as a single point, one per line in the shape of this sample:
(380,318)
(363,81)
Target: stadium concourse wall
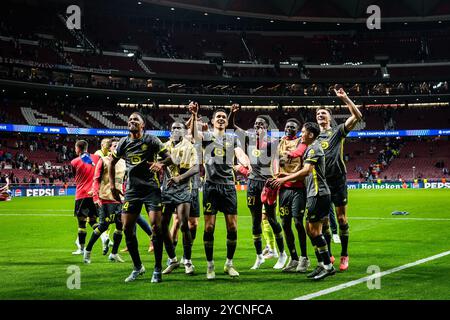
(52,191)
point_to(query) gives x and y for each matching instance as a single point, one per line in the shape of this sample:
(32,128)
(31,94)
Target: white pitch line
(369,278)
(418,219)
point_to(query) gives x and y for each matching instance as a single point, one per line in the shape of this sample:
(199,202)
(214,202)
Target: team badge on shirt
(256,153)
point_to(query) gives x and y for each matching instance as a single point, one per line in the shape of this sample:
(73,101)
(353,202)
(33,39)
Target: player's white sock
(104,236)
(210,264)
(229,262)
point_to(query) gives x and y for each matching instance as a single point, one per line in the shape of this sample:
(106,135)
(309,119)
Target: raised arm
(356,116)
(232,116)
(193,109)
(188,122)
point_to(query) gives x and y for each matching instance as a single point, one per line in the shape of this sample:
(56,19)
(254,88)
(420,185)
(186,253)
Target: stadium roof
(319,11)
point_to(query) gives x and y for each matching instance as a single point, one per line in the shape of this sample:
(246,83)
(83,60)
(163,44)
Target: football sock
(257,242)
(158,245)
(231,243)
(322,249)
(82,237)
(268,234)
(344,234)
(301,236)
(208,242)
(132,245)
(117,238)
(327,235)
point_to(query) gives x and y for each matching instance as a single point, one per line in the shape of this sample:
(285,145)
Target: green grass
(37,237)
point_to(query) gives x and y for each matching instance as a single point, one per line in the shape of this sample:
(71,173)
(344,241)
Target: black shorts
(338,190)
(254,190)
(151,201)
(195,205)
(85,208)
(317,208)
(176,196)
(219,197)
(110,213)
(292,202)
(194,210)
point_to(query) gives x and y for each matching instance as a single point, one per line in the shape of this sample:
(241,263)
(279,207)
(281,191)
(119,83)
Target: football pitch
(38,234)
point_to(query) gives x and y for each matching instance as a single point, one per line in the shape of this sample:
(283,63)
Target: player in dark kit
(177,193)
(261,150)
(84,167)
(332,141)
(318,198)
(219,192)
(143,188)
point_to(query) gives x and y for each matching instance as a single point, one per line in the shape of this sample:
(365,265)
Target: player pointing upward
(332,141)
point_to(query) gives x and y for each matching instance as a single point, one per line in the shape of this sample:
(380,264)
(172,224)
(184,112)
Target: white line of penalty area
(370,278)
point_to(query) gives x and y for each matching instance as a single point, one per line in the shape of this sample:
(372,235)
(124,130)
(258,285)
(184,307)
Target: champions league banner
(166,133)
(400,133)
(74,131)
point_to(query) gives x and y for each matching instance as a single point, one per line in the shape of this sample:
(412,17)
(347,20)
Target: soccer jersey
(218,153)
(287,145)
(260,153)
(332,142)
(184,157)
(137,153)
(101,154)
(84,166)
(316,184)
(101,179)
